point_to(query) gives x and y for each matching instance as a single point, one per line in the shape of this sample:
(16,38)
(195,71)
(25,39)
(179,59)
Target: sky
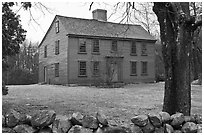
(43,19)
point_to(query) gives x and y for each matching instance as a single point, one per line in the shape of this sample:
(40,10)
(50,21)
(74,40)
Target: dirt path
(118,104)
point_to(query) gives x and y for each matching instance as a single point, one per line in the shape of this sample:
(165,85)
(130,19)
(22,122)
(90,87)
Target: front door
(114,69)
(45,74)
(114,72)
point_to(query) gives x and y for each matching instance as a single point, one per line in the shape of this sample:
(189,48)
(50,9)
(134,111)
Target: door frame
(118,61)
(45,74)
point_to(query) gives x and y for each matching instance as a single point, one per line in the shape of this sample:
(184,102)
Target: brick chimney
(100,15)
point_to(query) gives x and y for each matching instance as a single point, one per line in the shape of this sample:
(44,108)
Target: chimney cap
(103,10)
(99,14)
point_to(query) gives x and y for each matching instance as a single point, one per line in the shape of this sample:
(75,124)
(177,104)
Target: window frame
(143,49)
(133,45)
(95,44)
(57,47)
(56,69)
(57,26)
(94,73)
(79,69)
(80,44)
(131,68)
(114,46)
(45,51)
(144,69)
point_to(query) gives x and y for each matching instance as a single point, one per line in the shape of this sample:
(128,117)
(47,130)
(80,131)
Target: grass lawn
(118,104)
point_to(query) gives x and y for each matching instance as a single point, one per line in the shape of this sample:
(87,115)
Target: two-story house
(76,50)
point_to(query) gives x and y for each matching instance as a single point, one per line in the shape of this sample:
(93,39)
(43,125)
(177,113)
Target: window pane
(57,47)
(133,48)
(144,49)
(57,26)
(96,68)
(95,45)
(82,45)
(134,67)
(56,69)
(82,68)
(45,51)
(114,46)
(144,67)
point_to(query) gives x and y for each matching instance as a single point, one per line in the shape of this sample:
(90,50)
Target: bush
(4,89)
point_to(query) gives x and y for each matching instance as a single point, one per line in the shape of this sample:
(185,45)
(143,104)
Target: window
(57,47)
(45,52)
(56,69)
(144,49)
(82,68)
(144,68)
(82,46)
(133,48)
(95,46)
(96,70)
(114,46)
(57,26)
(133,65)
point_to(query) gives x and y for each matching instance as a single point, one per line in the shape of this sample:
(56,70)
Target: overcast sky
(36,30)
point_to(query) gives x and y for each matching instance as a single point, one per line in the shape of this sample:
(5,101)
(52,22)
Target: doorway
(45,74)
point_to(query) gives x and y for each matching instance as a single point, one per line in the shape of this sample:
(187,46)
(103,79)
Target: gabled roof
(92,27)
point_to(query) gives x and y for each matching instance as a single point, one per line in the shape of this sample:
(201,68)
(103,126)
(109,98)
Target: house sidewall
(52,58)
(123,53)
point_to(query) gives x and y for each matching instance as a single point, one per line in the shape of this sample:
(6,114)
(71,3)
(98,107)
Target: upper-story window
(144,68)
(133,48)
(144,49)
(57,26)
(45,52)
(95,46)
(82,46)
(114,46)
(57,47)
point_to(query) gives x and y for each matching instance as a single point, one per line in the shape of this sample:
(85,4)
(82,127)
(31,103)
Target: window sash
(96,68)
(144,49)
(133,48)
(82,68)
(57,26)
(57,47)
(45,52)
(144,67)
(114,46)
(96,45)
(133,67)
(82,45)
(56,69)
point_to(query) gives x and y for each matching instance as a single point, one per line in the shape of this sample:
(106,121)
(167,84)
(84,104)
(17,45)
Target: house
(76,50)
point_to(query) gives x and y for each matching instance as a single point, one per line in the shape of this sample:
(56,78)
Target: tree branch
(197,24)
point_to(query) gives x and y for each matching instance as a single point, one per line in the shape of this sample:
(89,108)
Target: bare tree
(177,27)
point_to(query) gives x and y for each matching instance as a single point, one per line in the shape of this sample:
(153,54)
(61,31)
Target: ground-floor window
(144,68)
(56,69)
(82,68)
(96,68)
(133,68)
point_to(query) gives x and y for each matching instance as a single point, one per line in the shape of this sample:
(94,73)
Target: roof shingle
(91,27)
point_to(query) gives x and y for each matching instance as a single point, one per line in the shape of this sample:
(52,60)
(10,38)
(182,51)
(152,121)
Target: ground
(118,104)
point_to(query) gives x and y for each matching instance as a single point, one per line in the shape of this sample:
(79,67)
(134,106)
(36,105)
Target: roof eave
(105,37)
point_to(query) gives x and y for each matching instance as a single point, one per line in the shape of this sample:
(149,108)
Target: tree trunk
(176,37)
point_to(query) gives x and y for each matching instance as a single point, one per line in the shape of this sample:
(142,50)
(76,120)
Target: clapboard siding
(51,59)
(68,58)
(124,48)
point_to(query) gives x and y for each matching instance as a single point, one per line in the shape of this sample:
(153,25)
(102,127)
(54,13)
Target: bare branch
(91,5)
